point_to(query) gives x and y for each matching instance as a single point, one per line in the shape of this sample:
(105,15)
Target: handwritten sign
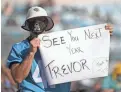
(75,54)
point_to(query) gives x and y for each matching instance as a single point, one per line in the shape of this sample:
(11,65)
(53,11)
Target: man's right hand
(35,43)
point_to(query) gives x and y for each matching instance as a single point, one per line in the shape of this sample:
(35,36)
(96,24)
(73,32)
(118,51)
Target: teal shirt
(35,81)
(109,83)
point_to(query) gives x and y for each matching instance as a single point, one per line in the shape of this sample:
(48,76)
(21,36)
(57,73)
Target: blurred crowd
(64,17)
(7,82)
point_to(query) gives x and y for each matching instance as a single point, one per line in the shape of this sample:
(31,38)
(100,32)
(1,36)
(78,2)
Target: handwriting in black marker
(92,34)
(60,71)
(73,38)
(53,42)
(74,50)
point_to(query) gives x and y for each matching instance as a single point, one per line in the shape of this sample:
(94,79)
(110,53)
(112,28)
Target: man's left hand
(110,28)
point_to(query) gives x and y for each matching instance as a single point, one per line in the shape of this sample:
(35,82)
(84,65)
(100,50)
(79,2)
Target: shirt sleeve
(14,56)
(106,83)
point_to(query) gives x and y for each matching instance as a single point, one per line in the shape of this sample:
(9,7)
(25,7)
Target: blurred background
(66,14)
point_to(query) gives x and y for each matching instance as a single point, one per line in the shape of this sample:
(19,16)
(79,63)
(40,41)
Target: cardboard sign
(75,54)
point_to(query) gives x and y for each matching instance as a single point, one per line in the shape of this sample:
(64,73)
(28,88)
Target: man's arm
(20,71)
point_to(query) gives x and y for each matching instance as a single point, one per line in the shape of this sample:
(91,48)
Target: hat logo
(36,9)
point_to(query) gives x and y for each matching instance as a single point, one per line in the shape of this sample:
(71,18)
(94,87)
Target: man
(24,58)
(112,83)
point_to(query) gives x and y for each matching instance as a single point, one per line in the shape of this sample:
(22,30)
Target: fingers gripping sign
(35,43)
(110,28)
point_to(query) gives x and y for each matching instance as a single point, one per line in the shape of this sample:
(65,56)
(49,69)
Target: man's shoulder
(21,45)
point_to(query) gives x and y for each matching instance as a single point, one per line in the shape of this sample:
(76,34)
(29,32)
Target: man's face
(38,26)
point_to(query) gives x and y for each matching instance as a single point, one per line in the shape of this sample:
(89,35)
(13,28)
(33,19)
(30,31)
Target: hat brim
(50,23)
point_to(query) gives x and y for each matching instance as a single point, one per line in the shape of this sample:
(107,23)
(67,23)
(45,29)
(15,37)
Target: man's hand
(110,28)
(35,43)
